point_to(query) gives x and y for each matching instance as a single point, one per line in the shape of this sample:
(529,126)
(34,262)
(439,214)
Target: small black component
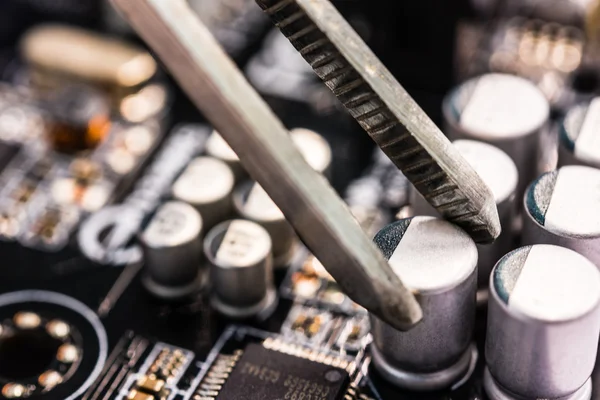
(263,374)
(79,119)
(7,153)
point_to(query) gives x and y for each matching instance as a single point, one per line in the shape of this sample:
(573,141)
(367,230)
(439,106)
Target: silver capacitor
(172,249)
(499,172)
(543,325)
(217,147)
(504,110)
(206,184)
(239,253)
(314,148)
(251,202)
(562,208)
(579,135)
(437,261)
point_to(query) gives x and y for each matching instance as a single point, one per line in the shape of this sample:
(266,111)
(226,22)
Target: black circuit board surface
(106,337)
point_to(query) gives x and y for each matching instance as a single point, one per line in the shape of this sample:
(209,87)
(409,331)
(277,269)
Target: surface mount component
(251,202)
(543,325)
(79,119)
(561,208)
(265,149)
(437,260)
(387,113)
(206,184)
(579,135)
(504,110)
(172,251)
(266,374)
(241,268)
(499,172)
(58,53)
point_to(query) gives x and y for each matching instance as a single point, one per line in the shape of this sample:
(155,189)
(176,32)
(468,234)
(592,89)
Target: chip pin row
(212,384)
(312,355)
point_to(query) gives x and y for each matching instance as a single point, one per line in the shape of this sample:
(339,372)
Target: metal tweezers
(371,95)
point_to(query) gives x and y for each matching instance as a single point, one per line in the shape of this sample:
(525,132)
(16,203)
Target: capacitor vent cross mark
(543,325)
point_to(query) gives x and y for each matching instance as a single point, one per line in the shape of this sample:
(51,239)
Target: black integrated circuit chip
(263,374)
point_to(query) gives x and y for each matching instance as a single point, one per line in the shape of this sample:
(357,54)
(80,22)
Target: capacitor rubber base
(260,311)
(175,292)
(421,382)
(495,392)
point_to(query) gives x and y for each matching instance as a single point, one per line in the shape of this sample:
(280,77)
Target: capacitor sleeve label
(243,244)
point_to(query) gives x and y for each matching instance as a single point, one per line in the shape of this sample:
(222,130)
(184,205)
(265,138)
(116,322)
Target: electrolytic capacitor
(206,184)
(499,172)
(251,202)
(314,148)
(438,261)
(217,147)
(172,247)
(62,53)
(543,325)
(562,208)
(504,110)
(579,135)
(239,253)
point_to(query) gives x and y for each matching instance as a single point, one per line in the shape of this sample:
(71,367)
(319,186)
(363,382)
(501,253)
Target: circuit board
(78,320)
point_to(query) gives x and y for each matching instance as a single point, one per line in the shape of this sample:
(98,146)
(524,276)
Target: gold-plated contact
(168,364)
(308,325)
(58,329)
(58,51)
(67,353)
(305,285)
(138,139)
(120,161)
(332,295)
(135,395)
(50,379)
(150,383)
(355,332)
(27,320)
(85,170)
(14,391)
(83,189)
(146,103)
(217,375)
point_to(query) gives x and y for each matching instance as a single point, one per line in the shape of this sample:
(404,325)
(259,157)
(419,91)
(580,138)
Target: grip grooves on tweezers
(367,108)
